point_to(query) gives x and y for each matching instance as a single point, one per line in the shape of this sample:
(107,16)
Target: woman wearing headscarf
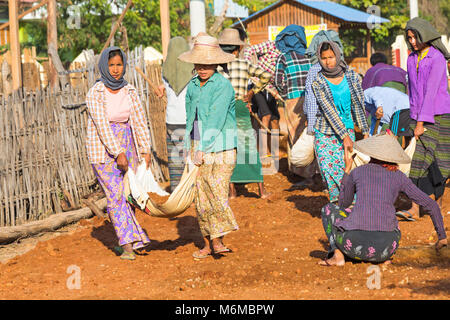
(310,106)
(290,76)
(211,139)
(176,75)
(369,231)
(340,99)
(429,108)
(117,139)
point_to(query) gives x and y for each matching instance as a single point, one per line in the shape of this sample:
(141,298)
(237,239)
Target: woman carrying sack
(211,139)
(369,231)
(430,109)
(341,107)
(117,139)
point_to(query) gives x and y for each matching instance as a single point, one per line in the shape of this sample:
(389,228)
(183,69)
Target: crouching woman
(369,231)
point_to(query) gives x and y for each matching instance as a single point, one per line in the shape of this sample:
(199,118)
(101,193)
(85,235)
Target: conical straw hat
(231,36)
(383,147)
(206,50)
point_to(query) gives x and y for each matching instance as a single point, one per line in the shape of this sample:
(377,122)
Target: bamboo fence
(44,168)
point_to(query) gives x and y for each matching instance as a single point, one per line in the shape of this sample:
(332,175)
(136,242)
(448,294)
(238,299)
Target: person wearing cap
(211,140)
(429,108)
(248,167)
(340,99)
(369,231)
(117,139)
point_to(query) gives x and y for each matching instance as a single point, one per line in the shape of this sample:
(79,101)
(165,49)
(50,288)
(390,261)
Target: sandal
(221,249)
(126,255)
(405,215)
(202,253)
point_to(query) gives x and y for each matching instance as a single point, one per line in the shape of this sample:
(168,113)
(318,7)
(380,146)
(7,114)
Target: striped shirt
(100,139)
(310,107)
(290,74)
(328,120)
(240,72)
(376,192)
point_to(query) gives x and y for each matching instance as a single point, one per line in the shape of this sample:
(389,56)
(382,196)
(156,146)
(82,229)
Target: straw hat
(231,36)
(206,50)
(383,147)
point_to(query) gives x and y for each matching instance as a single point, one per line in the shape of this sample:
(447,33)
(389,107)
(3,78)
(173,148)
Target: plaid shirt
(240,72)
(290,74)
(100,138)
(310,107)
(266,54)
(328,120)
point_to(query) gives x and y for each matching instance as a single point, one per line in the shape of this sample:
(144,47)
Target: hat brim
(232,42)
(384,150)
(213,57)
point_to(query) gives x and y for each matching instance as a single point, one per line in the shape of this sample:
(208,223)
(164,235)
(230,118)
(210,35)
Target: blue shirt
(391,100)
(343,101)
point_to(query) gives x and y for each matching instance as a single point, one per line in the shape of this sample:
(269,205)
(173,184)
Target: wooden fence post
(16,67)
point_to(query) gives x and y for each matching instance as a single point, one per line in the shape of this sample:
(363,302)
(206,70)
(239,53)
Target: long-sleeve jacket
(100,138)
(428,95)
(328,120)
(214,104)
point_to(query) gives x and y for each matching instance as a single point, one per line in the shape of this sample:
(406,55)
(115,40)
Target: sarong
(373,246)
(214,214)
(330,157)
(248,164)
(110,177)
(175,138)
(430,166)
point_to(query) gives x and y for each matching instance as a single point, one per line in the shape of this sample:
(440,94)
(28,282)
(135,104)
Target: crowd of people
(216,87)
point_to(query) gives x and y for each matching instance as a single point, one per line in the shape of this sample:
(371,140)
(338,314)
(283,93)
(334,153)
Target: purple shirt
(381,73)
(428,96)
(376,192)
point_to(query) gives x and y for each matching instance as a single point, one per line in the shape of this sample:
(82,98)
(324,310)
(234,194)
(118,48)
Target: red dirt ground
(275,256)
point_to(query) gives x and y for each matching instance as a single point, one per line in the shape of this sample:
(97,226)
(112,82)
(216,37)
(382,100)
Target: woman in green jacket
(211,139)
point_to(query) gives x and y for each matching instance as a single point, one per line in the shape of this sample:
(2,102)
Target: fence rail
(43,160)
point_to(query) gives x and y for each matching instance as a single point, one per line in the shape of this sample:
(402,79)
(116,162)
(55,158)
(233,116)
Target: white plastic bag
(142,183)
(302,152)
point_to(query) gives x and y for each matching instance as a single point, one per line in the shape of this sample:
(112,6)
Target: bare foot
(337,259)
(266,195)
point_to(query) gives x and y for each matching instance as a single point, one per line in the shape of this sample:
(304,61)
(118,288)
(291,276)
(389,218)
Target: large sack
(179,201)
(302,152)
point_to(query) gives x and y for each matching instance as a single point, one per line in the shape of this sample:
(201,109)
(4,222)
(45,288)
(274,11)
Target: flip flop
(201,254)
(127,256)
(221,249)
(405,215)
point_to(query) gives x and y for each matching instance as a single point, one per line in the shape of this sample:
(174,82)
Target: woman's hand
(161,90)
(198,158)
(148,159)
(348,162)
(419,130)
(348,144)
(440,244)
(122,162)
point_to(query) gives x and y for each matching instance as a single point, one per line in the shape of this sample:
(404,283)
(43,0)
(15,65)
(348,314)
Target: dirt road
(275,255)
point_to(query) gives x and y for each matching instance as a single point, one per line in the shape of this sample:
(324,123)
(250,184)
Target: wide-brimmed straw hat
(206,50)
(383,147)
(230,36)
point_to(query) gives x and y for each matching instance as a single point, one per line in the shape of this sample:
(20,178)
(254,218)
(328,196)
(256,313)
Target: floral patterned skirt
(214,214)
(373,246)
(110,177)
(330,157)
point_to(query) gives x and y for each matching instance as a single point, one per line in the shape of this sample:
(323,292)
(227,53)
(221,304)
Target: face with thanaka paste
(328,58)
(115,65)
(205,71)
